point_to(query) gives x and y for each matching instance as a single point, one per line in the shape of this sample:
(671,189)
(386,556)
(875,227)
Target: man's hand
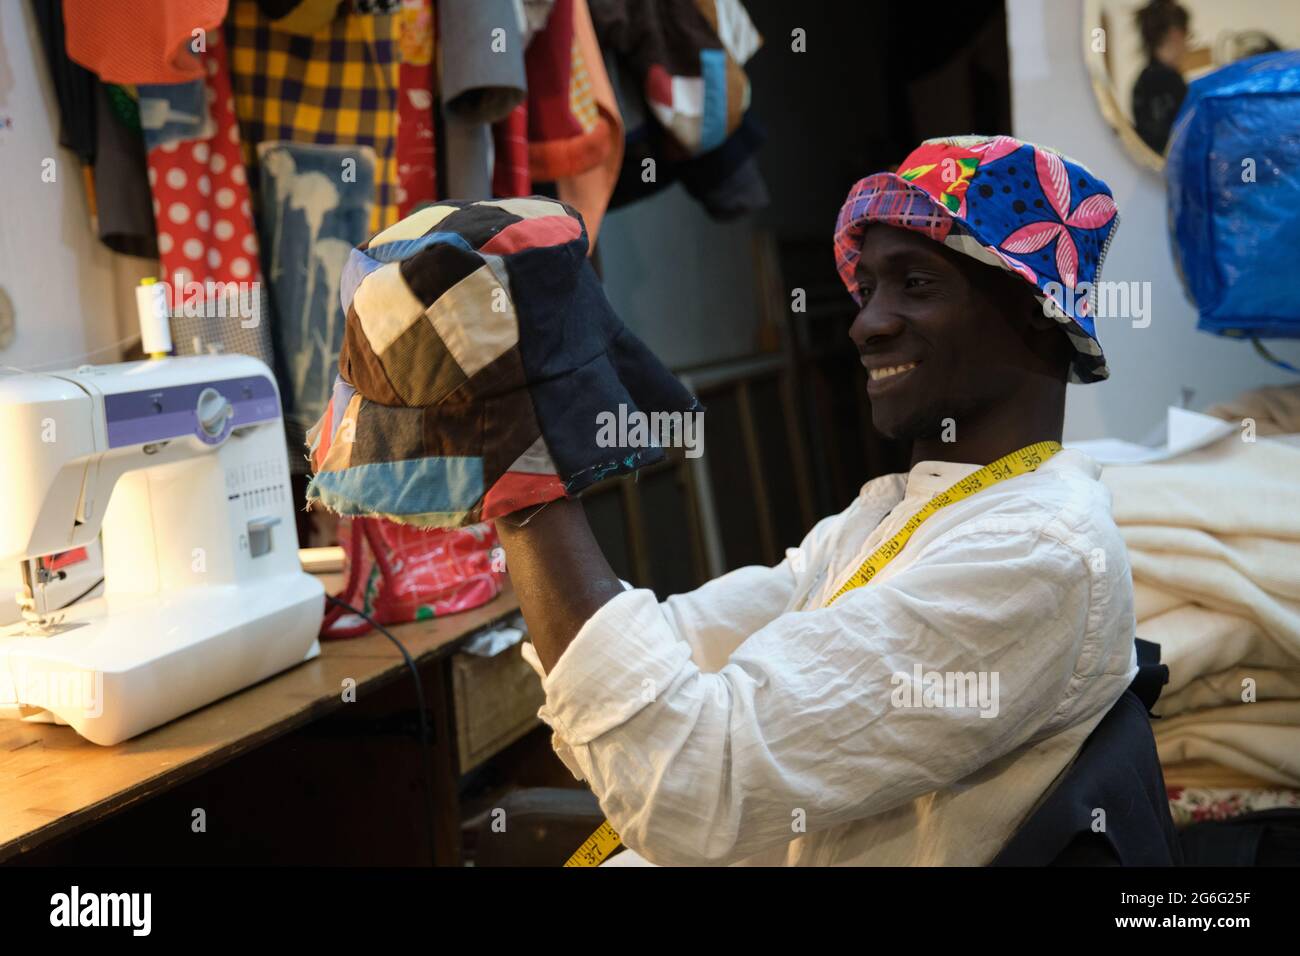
(558,571)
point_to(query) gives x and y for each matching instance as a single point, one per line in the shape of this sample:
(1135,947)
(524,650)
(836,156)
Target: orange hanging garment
(140,41)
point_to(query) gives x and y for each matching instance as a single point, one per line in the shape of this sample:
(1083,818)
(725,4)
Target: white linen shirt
(746,723)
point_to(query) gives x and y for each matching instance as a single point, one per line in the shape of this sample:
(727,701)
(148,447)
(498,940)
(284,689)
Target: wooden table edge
(310,711)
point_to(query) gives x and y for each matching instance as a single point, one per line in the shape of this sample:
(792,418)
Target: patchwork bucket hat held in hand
(1006,203)
(479,350)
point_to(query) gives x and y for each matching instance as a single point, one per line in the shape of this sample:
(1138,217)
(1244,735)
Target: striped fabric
(478,351)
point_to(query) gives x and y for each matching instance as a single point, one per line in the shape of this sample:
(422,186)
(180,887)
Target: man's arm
(694,767)
(562,578)
(558,571)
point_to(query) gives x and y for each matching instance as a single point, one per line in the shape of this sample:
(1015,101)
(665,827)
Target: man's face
(923,310)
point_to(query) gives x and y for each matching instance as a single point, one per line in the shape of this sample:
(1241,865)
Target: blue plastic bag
(1233,176)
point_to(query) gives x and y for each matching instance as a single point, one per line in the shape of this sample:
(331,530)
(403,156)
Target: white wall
(58,275)
(1052,103)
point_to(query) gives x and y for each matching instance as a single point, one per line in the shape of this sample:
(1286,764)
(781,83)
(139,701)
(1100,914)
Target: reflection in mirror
(1141,55)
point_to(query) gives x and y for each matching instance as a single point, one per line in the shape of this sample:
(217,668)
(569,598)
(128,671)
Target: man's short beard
(930,422)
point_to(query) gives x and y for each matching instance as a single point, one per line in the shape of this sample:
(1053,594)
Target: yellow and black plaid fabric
(337,86)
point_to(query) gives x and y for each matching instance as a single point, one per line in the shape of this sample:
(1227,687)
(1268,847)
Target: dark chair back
(1110,807)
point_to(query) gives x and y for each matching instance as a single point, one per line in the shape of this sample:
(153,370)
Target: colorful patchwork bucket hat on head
(1006,203)
(479,353)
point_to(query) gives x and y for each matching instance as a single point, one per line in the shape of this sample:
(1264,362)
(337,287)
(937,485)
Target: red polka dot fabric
(200,194)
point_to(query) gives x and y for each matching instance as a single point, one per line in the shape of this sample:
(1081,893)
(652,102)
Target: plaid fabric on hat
(337,86)
(479,354)
(1006,203)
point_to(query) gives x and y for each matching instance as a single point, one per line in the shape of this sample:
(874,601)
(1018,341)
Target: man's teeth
(879,373)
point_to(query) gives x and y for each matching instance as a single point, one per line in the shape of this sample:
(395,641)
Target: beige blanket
(1261,739)
(1214,542)
(1231,487)
(1275,409)
(1211,653)
(1255,578)
(1213,538)
(1235,685)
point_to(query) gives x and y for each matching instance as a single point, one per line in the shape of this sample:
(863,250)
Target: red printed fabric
(418,575)
(200,193)
(416,180)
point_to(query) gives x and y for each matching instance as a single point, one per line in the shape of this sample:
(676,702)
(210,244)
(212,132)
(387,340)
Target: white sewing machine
(182,463)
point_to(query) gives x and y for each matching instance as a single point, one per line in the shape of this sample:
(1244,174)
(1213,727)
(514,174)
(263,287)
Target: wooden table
(53,782)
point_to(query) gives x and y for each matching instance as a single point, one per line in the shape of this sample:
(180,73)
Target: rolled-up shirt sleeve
(818,717)
(719,616)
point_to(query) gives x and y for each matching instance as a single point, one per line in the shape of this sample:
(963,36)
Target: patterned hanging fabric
(337,86)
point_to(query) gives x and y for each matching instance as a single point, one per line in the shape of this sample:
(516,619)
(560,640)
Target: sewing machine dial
(213,409)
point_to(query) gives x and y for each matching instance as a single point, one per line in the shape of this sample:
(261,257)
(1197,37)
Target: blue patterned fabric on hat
(1006,203)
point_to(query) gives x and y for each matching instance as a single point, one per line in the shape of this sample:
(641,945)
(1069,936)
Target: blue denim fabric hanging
(173,112)
(316,203)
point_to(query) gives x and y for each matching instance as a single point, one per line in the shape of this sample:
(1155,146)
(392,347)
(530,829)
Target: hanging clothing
(204,215)
(174,112)
(123,209)
(589,190)
(300,16)
(566,132)
(416,160)
(510,173)
(726,180)
(337,86)
(692,81)
(482,59)
(482,82)
(777,730)
(110,150)
(679,84)
(74,85)
(200,191)
(310,220)
(140,41)
(536,13)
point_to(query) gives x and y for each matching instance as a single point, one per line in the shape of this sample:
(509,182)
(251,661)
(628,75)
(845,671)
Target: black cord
(82,595)
(424,719)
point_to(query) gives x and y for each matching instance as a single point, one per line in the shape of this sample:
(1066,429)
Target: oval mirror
(1141,54)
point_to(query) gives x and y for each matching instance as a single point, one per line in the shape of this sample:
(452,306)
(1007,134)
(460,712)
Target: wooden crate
(496,700)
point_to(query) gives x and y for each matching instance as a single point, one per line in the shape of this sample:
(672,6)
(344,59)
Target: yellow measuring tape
(596,847)
(605,841)
(1008,466)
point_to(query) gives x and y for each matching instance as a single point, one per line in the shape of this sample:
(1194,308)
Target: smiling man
(908,683)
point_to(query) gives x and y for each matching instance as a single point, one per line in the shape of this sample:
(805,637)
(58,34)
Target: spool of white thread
(155,318)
